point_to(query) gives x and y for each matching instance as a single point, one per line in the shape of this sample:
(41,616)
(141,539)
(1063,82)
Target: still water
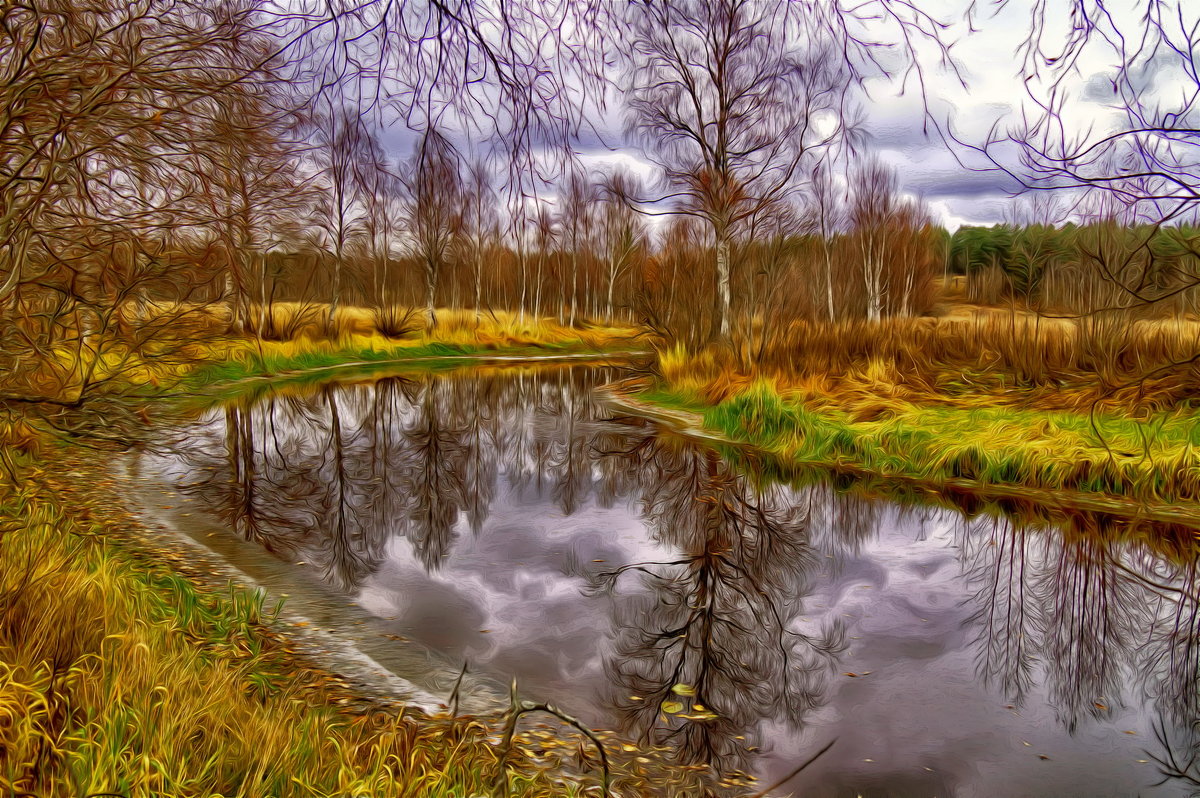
(516,522)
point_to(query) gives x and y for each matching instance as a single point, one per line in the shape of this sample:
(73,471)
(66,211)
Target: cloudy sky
(986,38)
(894,113)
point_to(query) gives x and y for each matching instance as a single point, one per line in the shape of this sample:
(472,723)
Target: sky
(894,114)
(986,53)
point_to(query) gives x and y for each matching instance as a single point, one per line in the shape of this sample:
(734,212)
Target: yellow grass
(119,676)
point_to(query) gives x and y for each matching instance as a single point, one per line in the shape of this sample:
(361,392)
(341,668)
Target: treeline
(168,163)
(593,253)
(163,160)
(1101,267)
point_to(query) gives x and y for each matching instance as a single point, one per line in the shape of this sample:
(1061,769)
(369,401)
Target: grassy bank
(109,387)
(926,403)
(122,673)
(457,335)
(127,671)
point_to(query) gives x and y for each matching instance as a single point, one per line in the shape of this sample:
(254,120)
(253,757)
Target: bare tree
(827,212)
(342,150)
(622,233)
(479,221)
(382,195)
(102,206)
(873,205)
(545,234)
(248,153)
(727,94)
(576,217)
(434,192)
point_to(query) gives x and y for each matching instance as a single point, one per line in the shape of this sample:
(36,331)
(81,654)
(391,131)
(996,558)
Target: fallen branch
(519,708)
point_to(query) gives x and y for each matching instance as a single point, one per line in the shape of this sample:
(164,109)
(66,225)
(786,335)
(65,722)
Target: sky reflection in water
(511,521)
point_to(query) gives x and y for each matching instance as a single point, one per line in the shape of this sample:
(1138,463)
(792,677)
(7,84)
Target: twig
(794,773)
(519,708)
(454,692)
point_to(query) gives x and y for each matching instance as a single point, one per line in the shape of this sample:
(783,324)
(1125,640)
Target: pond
(647,582)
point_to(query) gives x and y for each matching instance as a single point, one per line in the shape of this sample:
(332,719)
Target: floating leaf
(683,689)
(672,707)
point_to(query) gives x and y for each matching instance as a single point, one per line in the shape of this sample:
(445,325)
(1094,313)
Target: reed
(1017,359)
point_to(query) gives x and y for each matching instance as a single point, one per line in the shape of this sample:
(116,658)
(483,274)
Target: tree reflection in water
(1085,612)
(714,631)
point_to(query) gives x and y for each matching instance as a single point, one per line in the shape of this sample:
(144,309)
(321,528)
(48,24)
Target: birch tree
(725,95)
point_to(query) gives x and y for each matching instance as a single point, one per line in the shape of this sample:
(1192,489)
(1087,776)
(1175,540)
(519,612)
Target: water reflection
(712,635)
(652,583)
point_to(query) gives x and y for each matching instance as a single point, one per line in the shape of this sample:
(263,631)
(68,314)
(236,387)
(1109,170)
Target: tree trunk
(612,280)
(723,296)
(827,245)
(478,280)
(574,284)
(430,290)
(524,285)
(537,285)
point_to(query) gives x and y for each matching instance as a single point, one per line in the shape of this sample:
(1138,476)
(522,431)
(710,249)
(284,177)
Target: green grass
(1152,459)
(447,347)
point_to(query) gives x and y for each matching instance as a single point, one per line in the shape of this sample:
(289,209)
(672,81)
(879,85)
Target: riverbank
(128,670)
(125,670)
(1104,460)
(456,338)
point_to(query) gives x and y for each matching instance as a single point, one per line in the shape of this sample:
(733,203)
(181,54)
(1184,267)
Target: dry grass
(489,329)
(1011,360)
(999,399)
(456,335)
(119,676)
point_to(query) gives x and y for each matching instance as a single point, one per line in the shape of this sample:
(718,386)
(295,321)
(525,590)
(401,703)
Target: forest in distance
(311,306)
